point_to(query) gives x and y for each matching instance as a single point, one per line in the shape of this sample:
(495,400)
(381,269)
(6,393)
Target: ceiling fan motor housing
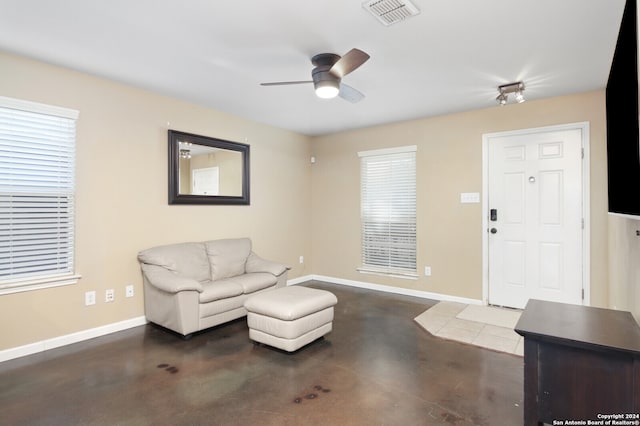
(320,74)
(325,59)
(323,63)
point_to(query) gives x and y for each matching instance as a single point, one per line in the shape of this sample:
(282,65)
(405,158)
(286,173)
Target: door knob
(493,230)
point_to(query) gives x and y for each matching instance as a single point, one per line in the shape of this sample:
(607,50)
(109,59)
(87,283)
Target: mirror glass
(204,170)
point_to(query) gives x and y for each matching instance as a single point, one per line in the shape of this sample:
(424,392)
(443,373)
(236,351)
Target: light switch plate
(469,197)
(90,298)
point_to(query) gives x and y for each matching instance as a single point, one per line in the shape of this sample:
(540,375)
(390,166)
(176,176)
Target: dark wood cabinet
(580,363)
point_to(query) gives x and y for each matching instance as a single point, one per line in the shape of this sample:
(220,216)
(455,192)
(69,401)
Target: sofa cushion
(227,258)
(257,264)
(186,259)
(218,290)
(254,282)
(290,303)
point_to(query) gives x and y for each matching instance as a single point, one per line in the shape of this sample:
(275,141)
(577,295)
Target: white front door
(535,219)
(205,181)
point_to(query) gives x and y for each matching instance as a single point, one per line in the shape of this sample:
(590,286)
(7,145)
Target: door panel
(514,198)
(514,264)
(551,195)
(535,183)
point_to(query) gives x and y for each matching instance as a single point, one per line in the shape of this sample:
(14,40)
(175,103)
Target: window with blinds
(388,211)
(37,190)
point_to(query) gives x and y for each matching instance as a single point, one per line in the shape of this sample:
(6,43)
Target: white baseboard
(394,290)
(300,280)
(69,339)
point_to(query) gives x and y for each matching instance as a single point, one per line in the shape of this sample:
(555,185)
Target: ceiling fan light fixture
(327,89)
(328,73)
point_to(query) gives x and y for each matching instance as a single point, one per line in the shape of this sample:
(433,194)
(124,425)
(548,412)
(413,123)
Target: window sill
(393,274)
(30,284)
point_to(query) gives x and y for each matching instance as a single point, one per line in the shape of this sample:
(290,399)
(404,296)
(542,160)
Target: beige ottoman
(290,317)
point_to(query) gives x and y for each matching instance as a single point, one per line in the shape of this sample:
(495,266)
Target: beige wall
(449,161)
(624,262)
(230,163)
(122,195)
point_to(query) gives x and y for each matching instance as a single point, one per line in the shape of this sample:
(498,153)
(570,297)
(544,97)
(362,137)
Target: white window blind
(37,194)
(388,211)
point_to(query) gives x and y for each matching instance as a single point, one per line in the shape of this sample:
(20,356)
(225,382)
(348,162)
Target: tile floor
(485,326)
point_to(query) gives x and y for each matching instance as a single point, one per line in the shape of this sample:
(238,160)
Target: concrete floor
(377,367)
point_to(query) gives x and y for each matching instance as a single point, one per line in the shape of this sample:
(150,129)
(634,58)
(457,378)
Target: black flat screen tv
(623,142)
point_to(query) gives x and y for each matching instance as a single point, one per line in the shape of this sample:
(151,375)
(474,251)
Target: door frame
(586,240)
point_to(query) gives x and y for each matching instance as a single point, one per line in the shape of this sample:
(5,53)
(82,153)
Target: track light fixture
(505,89)
(185,150)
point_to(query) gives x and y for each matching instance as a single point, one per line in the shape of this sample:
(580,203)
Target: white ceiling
(449,58)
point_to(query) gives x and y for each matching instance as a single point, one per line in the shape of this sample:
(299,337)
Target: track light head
(505,89)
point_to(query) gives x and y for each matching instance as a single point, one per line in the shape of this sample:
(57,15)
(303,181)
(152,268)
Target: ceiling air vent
(391,11)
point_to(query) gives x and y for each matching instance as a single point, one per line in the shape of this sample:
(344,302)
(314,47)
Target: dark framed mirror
(204,170)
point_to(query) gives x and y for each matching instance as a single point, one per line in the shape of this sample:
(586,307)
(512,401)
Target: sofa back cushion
(186,259)
(228,257)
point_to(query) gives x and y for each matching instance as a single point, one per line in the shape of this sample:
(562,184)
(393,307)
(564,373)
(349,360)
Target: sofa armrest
(257,264)
(166,280)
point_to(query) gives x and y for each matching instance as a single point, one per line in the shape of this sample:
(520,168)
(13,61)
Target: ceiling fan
(328,73)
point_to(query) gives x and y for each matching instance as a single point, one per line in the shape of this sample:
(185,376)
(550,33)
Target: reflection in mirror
(206,170)
(209,171)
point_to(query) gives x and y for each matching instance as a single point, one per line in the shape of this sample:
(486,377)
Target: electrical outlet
(128,291)
(301,259)
(110,295)
(90,298)
(427,271)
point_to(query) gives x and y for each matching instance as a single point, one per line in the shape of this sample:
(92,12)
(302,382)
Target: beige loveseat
(192,286)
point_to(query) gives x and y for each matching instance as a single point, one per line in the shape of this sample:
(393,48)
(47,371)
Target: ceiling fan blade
(350,94)
(349,62)
(285,83)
